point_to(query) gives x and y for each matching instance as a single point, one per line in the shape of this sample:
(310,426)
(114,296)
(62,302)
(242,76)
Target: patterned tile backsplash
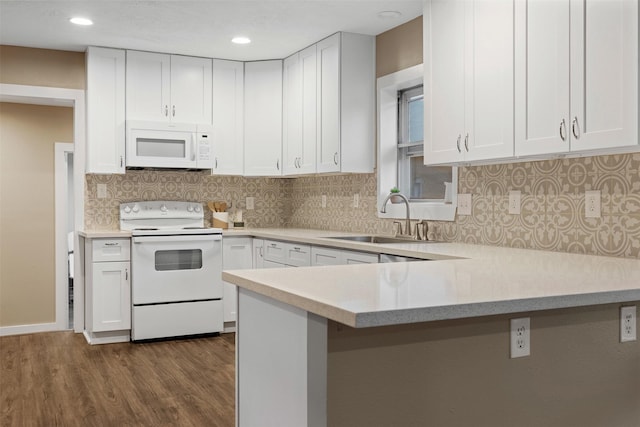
(103,214)
(552,209)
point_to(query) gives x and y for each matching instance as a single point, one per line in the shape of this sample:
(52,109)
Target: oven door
(176,268)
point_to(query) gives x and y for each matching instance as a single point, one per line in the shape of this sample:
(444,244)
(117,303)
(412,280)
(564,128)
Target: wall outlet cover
(323,200)
(592,204)
(464,204)
(101,190)
(514,202)
(520,337)
(628,323)
(250,203)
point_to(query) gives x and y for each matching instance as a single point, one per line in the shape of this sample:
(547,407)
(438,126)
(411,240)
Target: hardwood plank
(57,379)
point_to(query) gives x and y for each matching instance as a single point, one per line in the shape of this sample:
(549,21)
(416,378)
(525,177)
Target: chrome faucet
(383,209)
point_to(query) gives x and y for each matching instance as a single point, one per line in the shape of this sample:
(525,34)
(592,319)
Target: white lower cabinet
(237,254)
(108,290)
(330,256)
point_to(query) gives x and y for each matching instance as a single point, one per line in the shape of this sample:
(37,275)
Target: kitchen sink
(379,239)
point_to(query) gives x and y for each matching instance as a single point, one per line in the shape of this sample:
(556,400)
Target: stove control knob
(127,209)
(163,208)
(135,208)
(189,208)
(197,208)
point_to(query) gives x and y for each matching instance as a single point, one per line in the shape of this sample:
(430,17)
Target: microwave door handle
(193,149)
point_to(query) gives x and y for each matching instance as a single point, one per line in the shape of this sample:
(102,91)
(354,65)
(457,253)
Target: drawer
(274,251)
(111,250)
(297,255)
(350,257)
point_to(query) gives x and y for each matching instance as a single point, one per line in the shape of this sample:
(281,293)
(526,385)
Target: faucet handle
(425,229)
(398,229)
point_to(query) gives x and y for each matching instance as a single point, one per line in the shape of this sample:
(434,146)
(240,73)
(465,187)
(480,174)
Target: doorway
(65,226)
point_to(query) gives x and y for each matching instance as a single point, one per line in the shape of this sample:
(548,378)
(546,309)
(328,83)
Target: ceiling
(197,28)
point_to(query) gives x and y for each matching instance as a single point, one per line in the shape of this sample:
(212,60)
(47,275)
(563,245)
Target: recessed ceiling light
(241,40)
(81,21)
(389,14)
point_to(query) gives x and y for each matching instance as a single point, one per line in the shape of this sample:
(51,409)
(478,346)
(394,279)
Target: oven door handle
(174,239)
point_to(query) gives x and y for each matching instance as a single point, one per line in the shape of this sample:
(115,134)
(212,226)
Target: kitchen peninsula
(427,343)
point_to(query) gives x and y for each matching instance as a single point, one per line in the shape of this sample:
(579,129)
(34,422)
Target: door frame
(75,98)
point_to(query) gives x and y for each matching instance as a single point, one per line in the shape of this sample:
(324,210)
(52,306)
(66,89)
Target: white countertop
(466,281)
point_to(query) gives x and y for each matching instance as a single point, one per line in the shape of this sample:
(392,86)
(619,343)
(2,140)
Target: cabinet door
(444,81)
(111,296)
(228,124)
(309,104)
(542,77)
(325,256)
(328,131)
(258,253)
(105,110)
(292,118)
(489,83)
(148,86)
(237,253)
(263,118)
(604,74)
(190,90)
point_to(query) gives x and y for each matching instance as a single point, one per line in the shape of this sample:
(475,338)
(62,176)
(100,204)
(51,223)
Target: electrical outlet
(628,316)
(101,189)
(520,337)
(356,200)
(514,202)
(324,201)
(251,203)
(592,204)
(464,204)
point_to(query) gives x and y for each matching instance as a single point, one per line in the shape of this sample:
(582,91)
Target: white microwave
(169,145)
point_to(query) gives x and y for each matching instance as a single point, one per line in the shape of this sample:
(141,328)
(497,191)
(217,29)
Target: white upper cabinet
(300,112)
(469,80)
(345,103)
(263,118)
(576,75)
(168,88)
(228,123)
(105,110)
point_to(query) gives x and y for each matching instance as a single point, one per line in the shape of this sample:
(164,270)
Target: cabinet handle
(335,158)
(575,125)
(273,245)
(261,253)
(216,167)
(126,274)
(173,111)
(458,144)
(296,249)
(562,130)
(278,164)
(112,244)
(166,110)
(466,143)
(121,161)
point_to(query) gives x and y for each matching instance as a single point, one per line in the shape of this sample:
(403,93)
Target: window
(431,190)
(415,180)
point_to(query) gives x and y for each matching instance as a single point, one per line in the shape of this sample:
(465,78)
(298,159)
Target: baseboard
(29,329)
(109,337)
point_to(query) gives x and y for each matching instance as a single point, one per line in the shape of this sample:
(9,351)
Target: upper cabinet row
(314,114)
(518,79)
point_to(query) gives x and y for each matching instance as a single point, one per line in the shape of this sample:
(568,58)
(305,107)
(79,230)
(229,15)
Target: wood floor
(57,379)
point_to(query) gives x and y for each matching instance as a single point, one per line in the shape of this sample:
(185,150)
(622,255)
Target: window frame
(387,163)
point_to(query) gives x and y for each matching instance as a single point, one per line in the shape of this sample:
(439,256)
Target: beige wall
(42,67)
(458,373)
(27,273)
(399,48)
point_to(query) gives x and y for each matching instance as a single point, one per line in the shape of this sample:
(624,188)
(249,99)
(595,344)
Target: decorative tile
(552,208)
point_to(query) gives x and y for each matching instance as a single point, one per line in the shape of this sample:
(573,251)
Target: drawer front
(325,256)
(274,251)
(350,257)
(297,255)
(111,250)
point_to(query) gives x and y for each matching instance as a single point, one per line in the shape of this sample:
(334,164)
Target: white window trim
(388,87)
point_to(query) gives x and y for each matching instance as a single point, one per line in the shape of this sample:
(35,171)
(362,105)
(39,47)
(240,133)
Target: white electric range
(176,267)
